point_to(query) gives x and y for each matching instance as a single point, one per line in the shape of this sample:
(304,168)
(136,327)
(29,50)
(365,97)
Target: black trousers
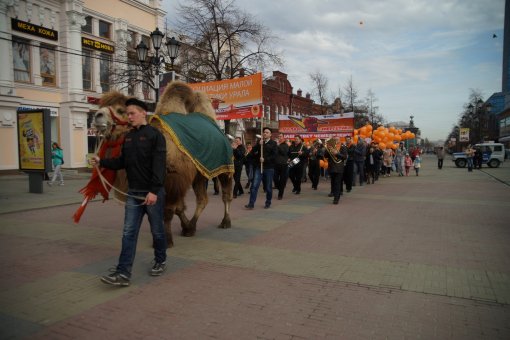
(238,187)
(336,184)
(295,175)
(314,172)
(281,174)
(439,163)
(347,175)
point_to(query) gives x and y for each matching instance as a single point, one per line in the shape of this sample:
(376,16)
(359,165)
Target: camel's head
(111,115)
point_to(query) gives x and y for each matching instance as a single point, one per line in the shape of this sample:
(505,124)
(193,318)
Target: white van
(493,155)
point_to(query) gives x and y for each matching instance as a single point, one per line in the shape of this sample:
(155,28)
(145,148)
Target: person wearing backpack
(57,158)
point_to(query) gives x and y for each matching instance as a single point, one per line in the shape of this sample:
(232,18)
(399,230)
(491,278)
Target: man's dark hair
(266,128)
(137,102)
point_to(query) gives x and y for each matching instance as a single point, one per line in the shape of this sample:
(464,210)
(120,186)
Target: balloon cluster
(387,138)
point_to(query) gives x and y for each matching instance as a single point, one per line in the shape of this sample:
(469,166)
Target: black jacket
(239,155)
(144,158)
(282,156)
(269,155)
(336,161)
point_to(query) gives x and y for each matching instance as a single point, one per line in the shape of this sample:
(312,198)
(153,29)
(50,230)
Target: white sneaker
(61,184)
(49,183)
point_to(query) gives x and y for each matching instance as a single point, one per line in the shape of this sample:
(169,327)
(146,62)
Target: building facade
(59,55)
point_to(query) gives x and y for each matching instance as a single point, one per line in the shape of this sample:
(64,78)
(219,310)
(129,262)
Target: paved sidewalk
(418,257)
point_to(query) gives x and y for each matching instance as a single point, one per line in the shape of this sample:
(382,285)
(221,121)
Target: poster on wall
(34,140)
(236,98)
(464,135)
(318,126)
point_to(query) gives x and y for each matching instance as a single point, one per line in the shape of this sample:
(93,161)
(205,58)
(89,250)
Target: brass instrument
(332,150)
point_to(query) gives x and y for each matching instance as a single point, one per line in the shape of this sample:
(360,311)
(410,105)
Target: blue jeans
(267,178)
(133,216)
(470,163)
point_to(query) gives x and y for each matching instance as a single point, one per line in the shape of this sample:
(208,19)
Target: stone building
(58,55)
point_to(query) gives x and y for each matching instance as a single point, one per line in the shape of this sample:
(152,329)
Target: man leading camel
(143,156)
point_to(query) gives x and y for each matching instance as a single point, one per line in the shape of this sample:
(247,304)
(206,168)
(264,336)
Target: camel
(183,169)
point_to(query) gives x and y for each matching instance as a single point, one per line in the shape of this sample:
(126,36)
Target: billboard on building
(464,135)
(237,98)
(319,126)
(34,144)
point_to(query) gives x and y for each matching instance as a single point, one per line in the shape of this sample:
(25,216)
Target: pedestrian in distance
(144,159)
(408,163)
(57,158)
(417,164)
(470,153)
(440,157)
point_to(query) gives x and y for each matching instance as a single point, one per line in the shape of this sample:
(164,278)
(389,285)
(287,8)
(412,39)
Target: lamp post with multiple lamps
(157,39)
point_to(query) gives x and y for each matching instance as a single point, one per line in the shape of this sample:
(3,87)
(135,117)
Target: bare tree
(350,95)
(229,41)
(320,87)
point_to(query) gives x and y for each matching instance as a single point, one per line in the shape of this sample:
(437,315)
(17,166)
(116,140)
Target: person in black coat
(315,155)
(239,156)
(264,154)
(336,163)
(297,155)
(347,177)
(281,167)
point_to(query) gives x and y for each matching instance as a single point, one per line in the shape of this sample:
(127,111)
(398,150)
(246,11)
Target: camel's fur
(179,98)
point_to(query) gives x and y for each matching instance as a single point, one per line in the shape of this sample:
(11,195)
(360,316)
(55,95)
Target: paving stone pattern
(407,258)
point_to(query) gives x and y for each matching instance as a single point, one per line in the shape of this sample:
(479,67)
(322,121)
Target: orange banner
(234,98)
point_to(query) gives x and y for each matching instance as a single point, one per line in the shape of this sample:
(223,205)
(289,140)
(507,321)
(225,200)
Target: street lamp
(173,49)
(157,39)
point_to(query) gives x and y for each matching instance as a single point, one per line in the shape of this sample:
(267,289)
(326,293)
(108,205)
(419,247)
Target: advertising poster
(317,126)
(237,98)
(33,140)
(464,135)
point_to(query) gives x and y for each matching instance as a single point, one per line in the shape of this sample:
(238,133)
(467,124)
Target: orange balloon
(393,146)
(356,131)
(369,127)
(398,138)
(355,138)
(363,130)
(382,145)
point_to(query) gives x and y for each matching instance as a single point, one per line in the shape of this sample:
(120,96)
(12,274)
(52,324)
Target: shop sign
(53,111)
(26,27)
(97,45)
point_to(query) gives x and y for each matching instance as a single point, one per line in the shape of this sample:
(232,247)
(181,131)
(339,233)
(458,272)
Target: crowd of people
(341,161)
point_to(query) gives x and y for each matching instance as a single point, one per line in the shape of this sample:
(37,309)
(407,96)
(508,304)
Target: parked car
(493,155)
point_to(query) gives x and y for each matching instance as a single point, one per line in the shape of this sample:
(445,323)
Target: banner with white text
(234,98)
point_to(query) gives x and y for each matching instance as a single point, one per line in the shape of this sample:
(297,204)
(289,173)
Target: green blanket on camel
(200,138)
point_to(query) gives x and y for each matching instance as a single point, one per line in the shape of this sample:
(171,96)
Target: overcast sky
(419,57)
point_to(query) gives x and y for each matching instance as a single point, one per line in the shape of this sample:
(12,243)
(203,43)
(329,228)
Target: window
(86,65)
(104,29)
(104,71)
(48,66)
(88,26)
(21,60)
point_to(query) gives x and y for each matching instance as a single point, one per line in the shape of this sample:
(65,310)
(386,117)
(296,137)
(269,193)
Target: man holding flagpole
(264,155)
